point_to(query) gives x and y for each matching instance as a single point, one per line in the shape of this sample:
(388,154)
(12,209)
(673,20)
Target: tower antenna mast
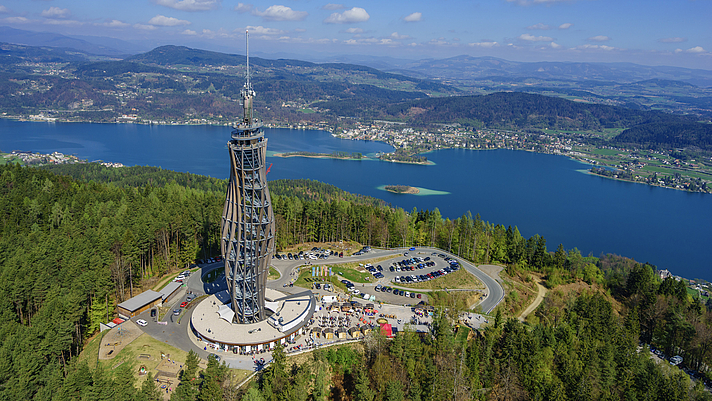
(247,93)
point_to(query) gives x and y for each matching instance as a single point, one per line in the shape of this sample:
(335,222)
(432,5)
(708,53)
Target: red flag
(270,166)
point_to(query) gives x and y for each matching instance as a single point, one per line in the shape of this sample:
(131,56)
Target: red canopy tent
(387,330)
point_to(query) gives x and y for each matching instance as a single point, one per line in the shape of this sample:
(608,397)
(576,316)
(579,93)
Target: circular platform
(290,313)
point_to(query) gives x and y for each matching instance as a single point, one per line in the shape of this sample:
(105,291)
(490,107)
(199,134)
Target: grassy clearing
(273,274)
(146,351)
(459,279)
(454,300)
(90,353)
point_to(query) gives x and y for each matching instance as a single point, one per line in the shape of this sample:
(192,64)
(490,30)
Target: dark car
(412,295)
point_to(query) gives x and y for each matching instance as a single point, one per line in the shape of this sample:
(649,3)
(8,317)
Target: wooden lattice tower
(247,228)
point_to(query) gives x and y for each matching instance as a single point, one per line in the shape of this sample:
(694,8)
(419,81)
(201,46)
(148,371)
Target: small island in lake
(402,189)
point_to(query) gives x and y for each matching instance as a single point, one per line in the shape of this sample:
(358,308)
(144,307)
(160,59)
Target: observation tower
(247,228)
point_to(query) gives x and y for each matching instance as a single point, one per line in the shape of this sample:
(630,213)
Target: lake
(541,194)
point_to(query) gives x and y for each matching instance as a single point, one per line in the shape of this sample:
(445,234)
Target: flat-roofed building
(140,303)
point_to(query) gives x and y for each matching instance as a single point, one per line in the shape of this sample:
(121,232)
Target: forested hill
(137,176)
(509,110)
(668,135)
(156,177)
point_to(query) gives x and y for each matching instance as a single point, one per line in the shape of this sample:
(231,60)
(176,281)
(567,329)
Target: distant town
(40,159)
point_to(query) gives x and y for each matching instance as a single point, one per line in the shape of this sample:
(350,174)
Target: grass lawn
(606,152)
(273,274)
(455,300)
(459,279)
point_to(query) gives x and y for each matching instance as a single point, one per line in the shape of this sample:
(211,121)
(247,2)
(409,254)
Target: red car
(183,304)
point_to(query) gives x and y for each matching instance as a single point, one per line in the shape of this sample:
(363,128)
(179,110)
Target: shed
(354,332)
(342,333)
(328,333)
(365,329)
(138,304)
(316,332)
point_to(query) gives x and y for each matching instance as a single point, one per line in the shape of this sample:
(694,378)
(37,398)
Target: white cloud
(260,30)
(66,22)
(599,38)
(696,49)
(566,25)
(594,47)
(485,43)
(189,32)
(162,20)
(354,30)
(414,17)
(396,36)
(220,33)
(190,5)
(144,27)
(114,23)
(4,9)
(672,40)
(56,12)
(532,38)
(16,20)
(243,8)
(351,16)
(540,26)
(555,45)
(332,6)
(280,13)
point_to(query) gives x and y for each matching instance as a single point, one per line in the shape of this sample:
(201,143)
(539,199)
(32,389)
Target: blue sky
(652,32)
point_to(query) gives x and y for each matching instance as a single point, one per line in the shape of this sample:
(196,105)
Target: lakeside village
(658,168)
(39,159)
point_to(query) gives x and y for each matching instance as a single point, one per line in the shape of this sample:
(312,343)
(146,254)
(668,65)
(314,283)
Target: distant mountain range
(92,45)
(462,70)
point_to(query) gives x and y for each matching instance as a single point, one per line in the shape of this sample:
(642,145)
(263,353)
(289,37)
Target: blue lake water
(541,194)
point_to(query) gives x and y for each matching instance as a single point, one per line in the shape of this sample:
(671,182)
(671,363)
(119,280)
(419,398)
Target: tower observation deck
(247,228)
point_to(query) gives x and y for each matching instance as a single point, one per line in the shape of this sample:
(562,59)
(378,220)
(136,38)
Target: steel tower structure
(247,227)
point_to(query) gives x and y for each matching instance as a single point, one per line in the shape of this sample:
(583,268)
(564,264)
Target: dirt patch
(169,368)
(491,270)
(117,339)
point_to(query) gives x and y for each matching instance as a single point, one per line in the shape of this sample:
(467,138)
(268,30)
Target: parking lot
(392,274)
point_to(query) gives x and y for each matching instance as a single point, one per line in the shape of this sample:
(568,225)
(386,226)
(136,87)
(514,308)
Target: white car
(141,322)
(356,292)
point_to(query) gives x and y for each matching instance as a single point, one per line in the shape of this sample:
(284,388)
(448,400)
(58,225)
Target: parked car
(176,312)
(141,322)
(183,304)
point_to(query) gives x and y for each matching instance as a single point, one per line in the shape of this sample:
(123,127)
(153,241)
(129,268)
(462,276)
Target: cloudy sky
(652,32)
